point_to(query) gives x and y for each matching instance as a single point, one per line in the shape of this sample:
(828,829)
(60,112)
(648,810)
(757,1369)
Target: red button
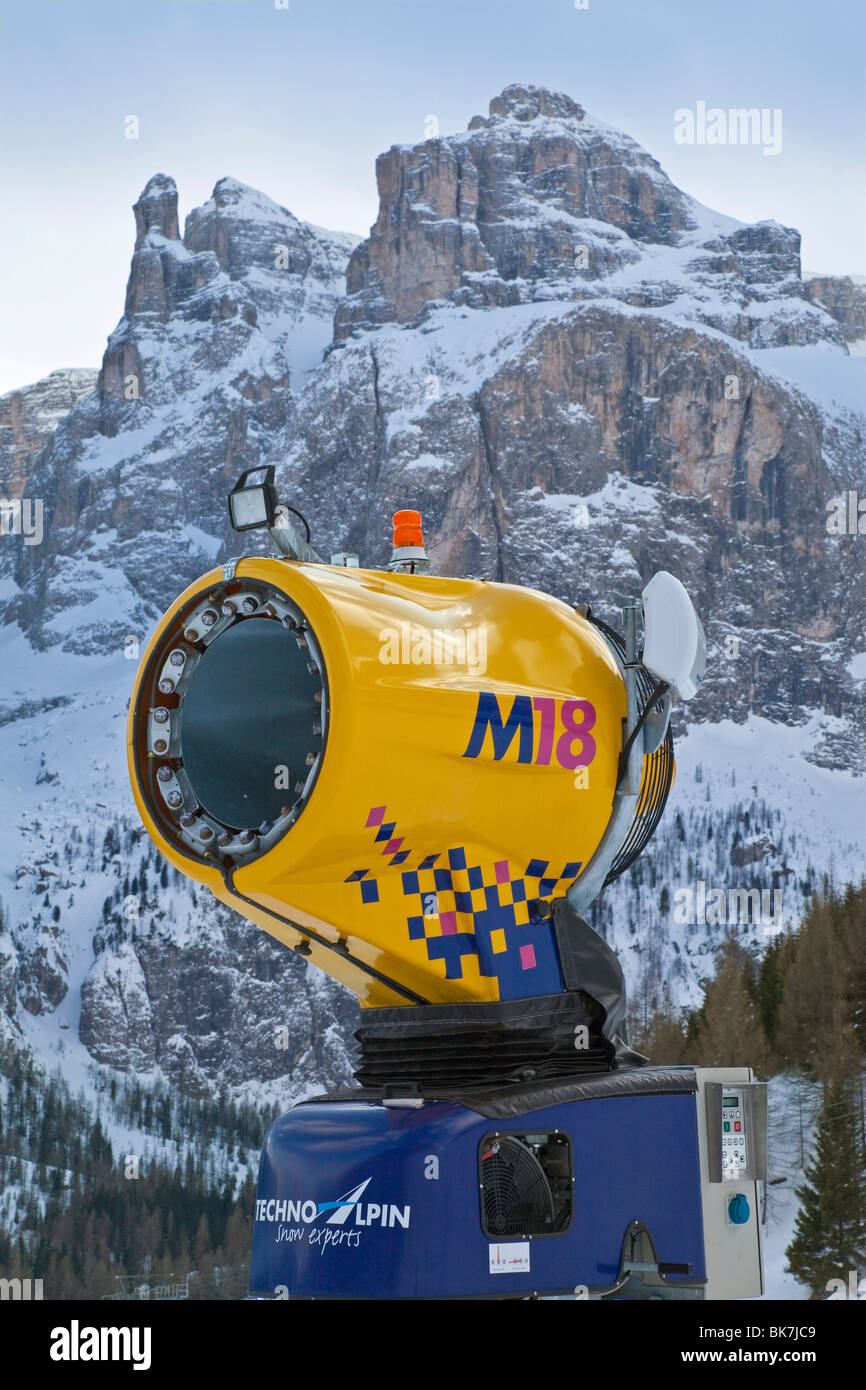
(737,1126)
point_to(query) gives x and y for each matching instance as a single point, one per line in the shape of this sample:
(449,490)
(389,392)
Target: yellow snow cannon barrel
(393,773)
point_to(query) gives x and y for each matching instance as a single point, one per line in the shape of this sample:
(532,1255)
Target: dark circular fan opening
(517,1199)
(246,722)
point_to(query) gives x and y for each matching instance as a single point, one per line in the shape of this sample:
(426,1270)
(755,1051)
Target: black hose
(300,517)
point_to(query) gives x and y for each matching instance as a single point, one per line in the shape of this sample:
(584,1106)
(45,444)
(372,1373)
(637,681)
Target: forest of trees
(76,1213)
(800,1009)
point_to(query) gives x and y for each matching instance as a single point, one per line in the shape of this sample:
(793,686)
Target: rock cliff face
(539,201)
(637,397)
(228,1005)
(844,300)
(599,447)
(579,375)
(28,418)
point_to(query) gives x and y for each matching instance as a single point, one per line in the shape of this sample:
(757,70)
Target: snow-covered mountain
(579,375)
(28,418)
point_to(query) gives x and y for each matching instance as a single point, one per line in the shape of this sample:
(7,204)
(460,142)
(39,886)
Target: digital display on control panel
(733,1137)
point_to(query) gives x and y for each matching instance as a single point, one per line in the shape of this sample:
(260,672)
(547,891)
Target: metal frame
(627,794)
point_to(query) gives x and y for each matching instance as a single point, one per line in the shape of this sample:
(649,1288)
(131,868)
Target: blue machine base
(357,1199)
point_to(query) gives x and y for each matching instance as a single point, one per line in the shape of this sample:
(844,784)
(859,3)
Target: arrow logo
(343,1205)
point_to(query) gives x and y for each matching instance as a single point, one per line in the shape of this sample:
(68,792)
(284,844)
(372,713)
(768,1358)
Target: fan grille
(516,1195)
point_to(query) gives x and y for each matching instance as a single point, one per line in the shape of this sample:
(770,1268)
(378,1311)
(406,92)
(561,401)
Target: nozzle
(231,712)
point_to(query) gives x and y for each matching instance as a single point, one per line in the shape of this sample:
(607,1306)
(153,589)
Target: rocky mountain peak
(229,192)
(541,201)
(151,285)
(156,209)
(525,102)
(843,299)
(244,227)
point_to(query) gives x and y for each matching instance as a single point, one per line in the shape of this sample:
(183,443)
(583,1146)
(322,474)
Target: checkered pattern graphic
(483,911)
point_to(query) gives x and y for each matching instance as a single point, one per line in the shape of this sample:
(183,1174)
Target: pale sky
(299,101)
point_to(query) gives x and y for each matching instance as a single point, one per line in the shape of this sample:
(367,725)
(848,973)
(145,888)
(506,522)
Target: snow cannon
(418,783)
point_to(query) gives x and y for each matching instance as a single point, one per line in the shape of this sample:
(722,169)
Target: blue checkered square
(450,949)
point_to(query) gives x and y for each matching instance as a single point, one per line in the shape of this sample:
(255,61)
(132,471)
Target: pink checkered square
(527,957)
(393,846)
(448,923)
(502,874)
(376,816)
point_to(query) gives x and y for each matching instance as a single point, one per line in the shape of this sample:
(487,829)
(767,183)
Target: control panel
(732,1137)
(735,1146)
(736,1130)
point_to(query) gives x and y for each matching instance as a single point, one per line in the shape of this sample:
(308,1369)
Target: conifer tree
(853,918)
(830,1233)
(770,981)
(815,1020)
(729,1031)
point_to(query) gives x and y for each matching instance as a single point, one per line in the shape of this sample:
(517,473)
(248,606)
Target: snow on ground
(857,667)
(825,373)
(821,806)
(723,771)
